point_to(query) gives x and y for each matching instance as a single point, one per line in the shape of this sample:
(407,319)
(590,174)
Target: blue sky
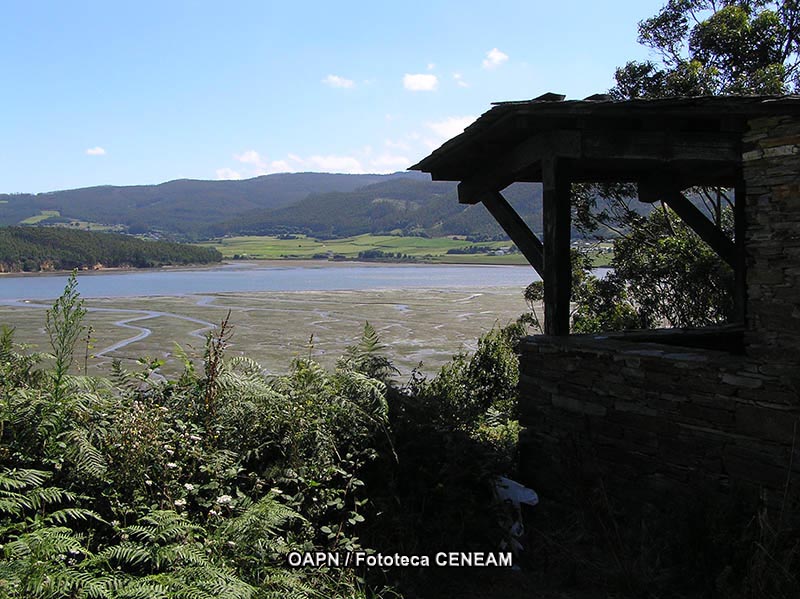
(144,92)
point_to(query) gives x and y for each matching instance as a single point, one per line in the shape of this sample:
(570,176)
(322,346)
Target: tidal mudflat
(417,325)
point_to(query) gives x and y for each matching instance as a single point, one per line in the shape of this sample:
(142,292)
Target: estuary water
(254,276)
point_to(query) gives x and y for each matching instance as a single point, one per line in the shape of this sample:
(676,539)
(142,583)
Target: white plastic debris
(510,490)
(512,494)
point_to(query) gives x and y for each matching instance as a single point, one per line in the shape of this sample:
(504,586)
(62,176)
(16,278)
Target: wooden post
(740,267)
(557,230)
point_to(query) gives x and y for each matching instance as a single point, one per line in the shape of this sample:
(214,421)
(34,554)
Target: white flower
(171,465)
(179,502)
(194,437)
(224,499)
(148,482)
(188,486)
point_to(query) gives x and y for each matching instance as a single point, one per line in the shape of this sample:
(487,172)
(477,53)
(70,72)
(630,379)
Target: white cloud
(96,151)
(336,81)
(397,145)
(249,157)
(422,82)
(364,160)
(280,166)
(451,126)
(494,58)
(389,163)
(228,173)
(335,164)
(460,80)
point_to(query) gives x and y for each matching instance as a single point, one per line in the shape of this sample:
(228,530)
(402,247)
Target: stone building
(655,413)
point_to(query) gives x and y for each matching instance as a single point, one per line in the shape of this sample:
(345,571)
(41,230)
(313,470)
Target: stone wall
(653,421)
(771,163)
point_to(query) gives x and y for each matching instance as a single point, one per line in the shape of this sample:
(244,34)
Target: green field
(43,215)
(269,247)
(85,225)
(419,248)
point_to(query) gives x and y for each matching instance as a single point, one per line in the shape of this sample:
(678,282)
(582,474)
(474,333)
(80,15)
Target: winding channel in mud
(140,315)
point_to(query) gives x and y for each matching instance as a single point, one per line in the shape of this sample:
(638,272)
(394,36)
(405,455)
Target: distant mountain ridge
(401,205)
(183,207)
(316,204)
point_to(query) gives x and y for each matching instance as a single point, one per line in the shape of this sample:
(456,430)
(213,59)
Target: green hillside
(402,205)
(318,205)
(180,207)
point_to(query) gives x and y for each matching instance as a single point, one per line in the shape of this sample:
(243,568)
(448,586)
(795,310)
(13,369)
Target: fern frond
(180,554)
(257,523)
(65,515)
(126,553)
(21,478)
(86,457)
(42,496)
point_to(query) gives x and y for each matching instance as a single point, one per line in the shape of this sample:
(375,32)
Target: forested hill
(56,248)
(407,205)
(181,207)
(317,204)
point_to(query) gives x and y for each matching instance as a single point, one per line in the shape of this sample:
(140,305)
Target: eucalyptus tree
(715,47)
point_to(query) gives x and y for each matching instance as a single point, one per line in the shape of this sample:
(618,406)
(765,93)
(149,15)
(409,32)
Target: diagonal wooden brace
(693,217)
(516,229)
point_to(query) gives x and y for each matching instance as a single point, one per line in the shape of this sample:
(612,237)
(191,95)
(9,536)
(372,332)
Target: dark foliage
(56,248)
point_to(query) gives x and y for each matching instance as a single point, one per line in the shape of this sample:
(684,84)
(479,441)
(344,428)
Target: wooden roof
(696,140)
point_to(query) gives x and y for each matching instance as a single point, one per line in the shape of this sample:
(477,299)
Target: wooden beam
(708,231)
(503,171)
(615,152)
(516,164)
(688,174)
(662,146)
(516,229)
(557,263)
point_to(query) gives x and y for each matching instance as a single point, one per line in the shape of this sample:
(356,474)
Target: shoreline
(265,276)
(271,262)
